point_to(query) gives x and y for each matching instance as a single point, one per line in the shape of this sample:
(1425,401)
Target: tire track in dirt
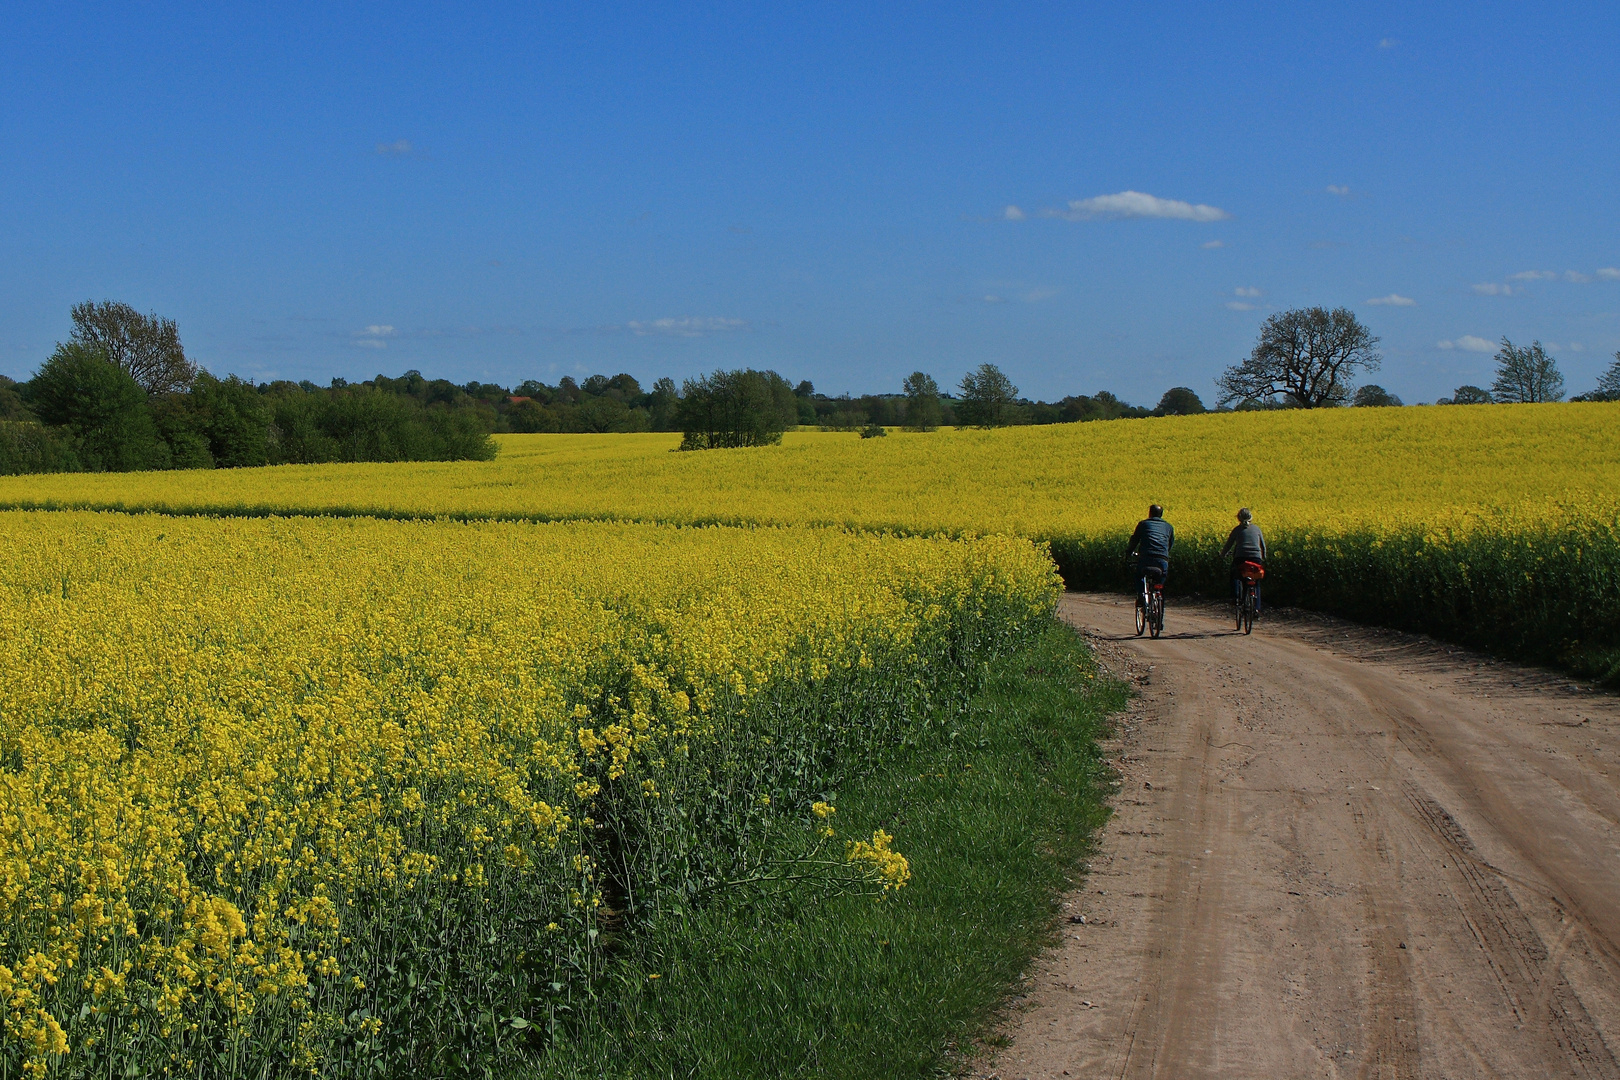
(1337,852)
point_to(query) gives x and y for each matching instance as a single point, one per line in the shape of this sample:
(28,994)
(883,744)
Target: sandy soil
(1337,852)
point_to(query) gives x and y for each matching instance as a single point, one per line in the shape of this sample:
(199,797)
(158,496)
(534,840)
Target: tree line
(120,394)
(1309,358)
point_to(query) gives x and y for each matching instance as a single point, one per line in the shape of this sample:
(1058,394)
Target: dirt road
(1338,852)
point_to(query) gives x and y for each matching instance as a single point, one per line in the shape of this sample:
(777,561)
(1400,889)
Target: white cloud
(1532,275)
(1211,245)
(1135,204)
(1576,276)
(1467,343)
(1387,43)
(1012,213)
(991,298)
(1238,305)
(686,327)
(1035,296)
(373,336)
(1393,300)
(397,148)
(1609,273)
(1245,291)
(1491,288)
(1338,189)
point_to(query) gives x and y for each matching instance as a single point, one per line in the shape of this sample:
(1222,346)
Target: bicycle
(1150,603)
(1249,575)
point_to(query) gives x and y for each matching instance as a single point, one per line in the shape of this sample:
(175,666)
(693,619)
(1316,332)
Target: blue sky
(518,191)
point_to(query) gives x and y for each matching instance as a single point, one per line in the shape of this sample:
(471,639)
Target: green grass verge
(994,814)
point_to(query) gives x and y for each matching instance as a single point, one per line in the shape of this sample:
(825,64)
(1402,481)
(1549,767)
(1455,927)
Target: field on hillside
(330,768)
(1491,525)
(1321,469)
(355,796)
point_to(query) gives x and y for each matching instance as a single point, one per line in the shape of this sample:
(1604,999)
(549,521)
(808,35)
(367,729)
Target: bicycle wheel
(1141,616)
(1157,613)
(1237,606)
(1248,610)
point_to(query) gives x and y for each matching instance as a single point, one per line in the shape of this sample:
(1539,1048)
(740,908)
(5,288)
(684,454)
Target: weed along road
(1337,852)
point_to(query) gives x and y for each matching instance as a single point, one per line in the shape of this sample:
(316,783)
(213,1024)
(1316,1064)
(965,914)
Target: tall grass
(995,807)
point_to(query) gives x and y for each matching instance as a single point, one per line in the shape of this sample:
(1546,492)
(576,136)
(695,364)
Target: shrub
(29,447)
(730,409)
(80,389)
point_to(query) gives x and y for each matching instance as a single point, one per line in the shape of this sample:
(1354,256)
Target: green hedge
(1546,593)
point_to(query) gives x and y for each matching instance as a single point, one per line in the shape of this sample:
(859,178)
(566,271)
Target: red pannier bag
(1251,571)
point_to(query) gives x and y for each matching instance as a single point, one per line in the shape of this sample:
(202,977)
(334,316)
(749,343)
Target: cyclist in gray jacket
(1246,543)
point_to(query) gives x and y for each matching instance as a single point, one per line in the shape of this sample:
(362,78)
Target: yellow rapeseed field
(295,794)
(1296,469)
(330,791)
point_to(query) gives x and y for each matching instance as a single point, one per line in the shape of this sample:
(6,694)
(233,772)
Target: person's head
(1244,515)
(1155,510)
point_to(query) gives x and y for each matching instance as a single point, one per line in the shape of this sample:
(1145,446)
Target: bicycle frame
(1245,605)
(1150,608)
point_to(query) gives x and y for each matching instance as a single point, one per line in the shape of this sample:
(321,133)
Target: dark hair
(1155,510)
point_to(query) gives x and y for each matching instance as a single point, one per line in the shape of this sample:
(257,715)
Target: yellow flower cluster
(266,783)
(888,865)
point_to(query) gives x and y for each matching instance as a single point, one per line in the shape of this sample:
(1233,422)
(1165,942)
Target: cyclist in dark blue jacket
(1151,544)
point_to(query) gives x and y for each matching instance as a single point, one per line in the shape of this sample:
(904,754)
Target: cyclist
(1246,543)
(1151,544)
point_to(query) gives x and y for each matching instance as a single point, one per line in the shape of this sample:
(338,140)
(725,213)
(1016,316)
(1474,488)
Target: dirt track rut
(1337,852)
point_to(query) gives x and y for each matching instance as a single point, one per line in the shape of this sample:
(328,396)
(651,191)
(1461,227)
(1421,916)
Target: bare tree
(1608,387)
(1526,374)
(1308,355)
(146,346)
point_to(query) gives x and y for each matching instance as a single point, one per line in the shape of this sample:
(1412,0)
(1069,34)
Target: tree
(730,409)
(604,413)
(1374,396)
(1468,395)
(1608,387)
(923,410)
(626,384)
(1309,356)
(80,389)
(1179,401)
(663,403)
(27,446)
(145,346)
(1100,406)
(986,396)
(232,416)
(12,406)
(1526,375)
